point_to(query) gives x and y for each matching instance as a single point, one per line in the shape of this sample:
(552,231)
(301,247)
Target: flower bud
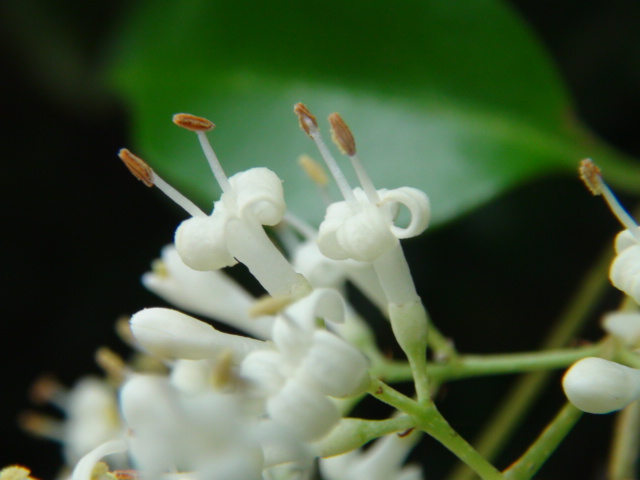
(596,385)
(169,333)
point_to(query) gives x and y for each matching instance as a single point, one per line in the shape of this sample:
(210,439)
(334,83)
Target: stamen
(193,123)
(310,126)
(343,138)
(223,374)
(305,117)
(41,425)
(341,134)
(201,126)
(138,167)
(113,365)
(142,171)
(592,178)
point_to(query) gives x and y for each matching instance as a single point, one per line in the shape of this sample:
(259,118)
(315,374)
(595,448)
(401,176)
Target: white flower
(307,365)
(212,294)
(209,433)
(596,385)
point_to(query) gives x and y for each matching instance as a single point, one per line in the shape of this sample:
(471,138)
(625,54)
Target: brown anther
(193,123)
(137,167)
(126,474)
(45,389)
(406,432)
(591,176)
(304,117)
(123,330)
(341,134)
(313,170)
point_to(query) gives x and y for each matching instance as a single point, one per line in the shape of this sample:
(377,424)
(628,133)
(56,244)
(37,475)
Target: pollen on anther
(137,167)
(591,176)
(193,123)
(341,134)
(305,117)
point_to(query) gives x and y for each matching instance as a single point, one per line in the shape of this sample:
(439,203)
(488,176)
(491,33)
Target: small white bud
(201,242)
(625,271)
(596,385)
(173,334)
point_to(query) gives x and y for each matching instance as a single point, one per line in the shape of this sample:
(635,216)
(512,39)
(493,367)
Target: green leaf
(454,97)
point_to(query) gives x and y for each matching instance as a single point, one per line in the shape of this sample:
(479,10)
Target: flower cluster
(228,406)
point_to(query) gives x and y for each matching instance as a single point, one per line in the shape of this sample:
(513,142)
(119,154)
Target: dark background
(78,231)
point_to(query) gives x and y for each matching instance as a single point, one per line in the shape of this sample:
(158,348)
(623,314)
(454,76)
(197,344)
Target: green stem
(521,397)
(428,419)
(538,453)
(352,433)
(476,365)
(626,443)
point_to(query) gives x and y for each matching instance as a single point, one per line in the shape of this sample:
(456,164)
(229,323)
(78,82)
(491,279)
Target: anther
(193,123)
(592,178)
(112,364)
(305,117)
(137,167)
(591,175)
(313,170)
(268,305)
(342,135)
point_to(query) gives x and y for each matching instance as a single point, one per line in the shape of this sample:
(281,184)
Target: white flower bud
(169,333)
(596,385)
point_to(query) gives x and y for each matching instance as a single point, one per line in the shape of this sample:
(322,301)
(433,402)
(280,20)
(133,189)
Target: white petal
(201,241)
(260,191)
(596,385)
(625,272)
(417,202)
(362,235)
(84,468)
(336,368)
(302,410)
(266,369)
(624,240)
(623,325)
(211,294)
(169,333)
(325,303)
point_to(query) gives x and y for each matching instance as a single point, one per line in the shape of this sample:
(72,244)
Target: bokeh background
(78,231)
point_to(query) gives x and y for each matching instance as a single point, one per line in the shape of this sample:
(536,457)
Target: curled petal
(596,385)
(334,367)
(363,235)
(259,190)
(201,241)
(419,208)
(325,303)
(84,468)
(625,272)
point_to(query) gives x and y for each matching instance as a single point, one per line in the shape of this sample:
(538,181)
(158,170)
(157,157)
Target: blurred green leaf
(450,96)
